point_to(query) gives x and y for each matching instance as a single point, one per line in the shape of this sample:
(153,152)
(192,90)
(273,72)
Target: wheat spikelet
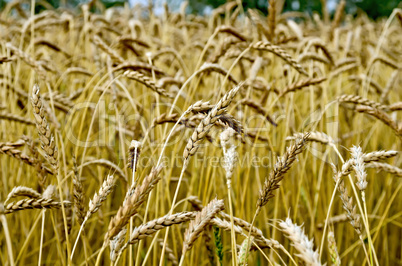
(385,167)
(395,106)
(318,43)
(314,136)
(378,155)
(100,197)
(207,123)
(243,253)
(139,67)
(147,81)
(359,168)
(10,148)
(301,84)
(22,191)
(116,244)
(345,61)
(45,135)
(151,227)
(79,196)
(281,167)
(60,100)
(301,242)
(383,117)
(238,223)
(347,201)
(333,250)
(267,46)
(17,118)
(166,81)
(128,38)
(32,203)
(201,220)
(133,202)
(312,57)
(356,99)
(342,69)
(229,154)
(78,70)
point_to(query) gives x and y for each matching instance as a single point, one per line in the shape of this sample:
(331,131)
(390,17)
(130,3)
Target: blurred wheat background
(130,137)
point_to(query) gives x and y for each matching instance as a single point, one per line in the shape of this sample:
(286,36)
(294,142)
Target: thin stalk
(8,239)
(41,236)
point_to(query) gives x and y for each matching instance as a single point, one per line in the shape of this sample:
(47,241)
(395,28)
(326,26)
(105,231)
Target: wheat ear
(133,202)
(147,81)
(385,167)
(201,220)
(22,191)
(383,117)
(78,192)
(333,250)
(39,203)
(207,123)
(281,167)
(301,242)
(151,227)
(356,99)
(267,46)
(314,136)
(95,203)
(301,84)
(45,135)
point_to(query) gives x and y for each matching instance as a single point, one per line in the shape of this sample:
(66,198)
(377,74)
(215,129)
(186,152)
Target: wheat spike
(207,123)
(281,167)
(45,135)
(201,220)
(301,242)
(133,202)
(267,46)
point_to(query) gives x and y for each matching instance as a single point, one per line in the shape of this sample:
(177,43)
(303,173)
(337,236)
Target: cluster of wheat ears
(177,139)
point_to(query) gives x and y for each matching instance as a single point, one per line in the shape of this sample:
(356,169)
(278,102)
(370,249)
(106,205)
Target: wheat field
(131,138)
